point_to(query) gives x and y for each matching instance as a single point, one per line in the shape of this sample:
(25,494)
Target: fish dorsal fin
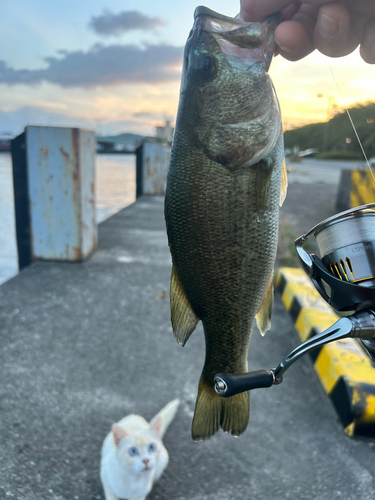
(184,319)
(284,184)
(263,316)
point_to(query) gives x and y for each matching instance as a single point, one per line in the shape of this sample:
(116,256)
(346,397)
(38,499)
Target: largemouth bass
(225,184)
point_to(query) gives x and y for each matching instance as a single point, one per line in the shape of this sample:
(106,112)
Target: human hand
(334,28)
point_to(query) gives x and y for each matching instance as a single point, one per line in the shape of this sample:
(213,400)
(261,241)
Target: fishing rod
(344,276)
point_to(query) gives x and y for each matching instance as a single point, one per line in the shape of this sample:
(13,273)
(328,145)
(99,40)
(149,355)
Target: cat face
(139,452)
(137,449)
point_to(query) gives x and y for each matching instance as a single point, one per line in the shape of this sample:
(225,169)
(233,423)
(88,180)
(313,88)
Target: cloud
(102,66)
(109,24)
(16,121)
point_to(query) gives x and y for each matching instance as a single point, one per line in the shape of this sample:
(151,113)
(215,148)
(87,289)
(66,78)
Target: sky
(114,66)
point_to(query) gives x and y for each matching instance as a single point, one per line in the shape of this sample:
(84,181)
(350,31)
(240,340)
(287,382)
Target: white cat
(133,455)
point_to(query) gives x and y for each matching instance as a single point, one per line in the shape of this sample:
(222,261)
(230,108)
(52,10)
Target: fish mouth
(240,41)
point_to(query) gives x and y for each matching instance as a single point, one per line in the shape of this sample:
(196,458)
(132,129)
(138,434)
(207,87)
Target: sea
(115,189)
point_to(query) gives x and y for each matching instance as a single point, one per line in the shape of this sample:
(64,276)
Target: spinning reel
(344,276)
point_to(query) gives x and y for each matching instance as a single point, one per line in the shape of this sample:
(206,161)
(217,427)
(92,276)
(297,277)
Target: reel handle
(360,325)
(229,384)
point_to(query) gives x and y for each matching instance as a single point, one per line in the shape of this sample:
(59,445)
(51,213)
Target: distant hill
(337,134)
(122,143)
(121,138)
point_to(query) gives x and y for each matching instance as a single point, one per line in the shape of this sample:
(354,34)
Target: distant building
(165,132)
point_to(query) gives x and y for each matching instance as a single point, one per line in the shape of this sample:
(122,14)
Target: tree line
(336,137)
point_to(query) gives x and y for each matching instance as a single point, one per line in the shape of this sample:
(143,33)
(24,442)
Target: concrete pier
(84,344)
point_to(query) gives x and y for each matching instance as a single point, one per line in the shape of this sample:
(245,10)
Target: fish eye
(133,451)
(152,447)
(205,65)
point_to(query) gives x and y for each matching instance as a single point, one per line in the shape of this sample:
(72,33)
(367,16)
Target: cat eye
(152,447)
(133,452)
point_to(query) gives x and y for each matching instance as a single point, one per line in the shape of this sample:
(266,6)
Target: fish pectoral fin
(263,182)
(284,184)
(184,319)
(263,316)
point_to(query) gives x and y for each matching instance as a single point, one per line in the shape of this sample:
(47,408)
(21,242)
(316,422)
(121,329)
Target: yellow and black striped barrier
(362,189)
(343,367)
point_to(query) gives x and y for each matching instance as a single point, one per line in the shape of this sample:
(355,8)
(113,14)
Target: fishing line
(352,123)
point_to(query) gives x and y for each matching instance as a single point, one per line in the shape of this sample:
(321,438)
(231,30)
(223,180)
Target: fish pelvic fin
(184,319)
(284,184)
(213,412)
(264,314)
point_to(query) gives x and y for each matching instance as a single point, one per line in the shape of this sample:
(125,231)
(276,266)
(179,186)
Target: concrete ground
(311,170)
(84,344)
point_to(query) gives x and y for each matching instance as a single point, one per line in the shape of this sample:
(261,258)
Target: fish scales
(222,240)
(222,219)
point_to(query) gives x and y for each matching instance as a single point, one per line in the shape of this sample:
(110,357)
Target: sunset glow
(57,72)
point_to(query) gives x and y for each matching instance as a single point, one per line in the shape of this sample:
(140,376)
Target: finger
(365,7)
(307,16)
(257,10)
(289,12)
(358,6)
(367,49)
(293,41)
(287,15)
(358,24)
(333,35)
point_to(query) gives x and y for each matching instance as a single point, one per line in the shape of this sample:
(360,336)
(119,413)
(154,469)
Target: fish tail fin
(213,412)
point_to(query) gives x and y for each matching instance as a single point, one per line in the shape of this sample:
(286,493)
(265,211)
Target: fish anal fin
(284,184)
(184,319)
(263,316)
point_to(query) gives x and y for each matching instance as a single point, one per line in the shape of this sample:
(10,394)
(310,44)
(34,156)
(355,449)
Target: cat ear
(118,433)
(156,426)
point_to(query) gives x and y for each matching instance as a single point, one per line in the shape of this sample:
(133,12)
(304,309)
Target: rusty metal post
(152,167)
(55,212)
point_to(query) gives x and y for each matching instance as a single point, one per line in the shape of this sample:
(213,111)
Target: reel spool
(345,274)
